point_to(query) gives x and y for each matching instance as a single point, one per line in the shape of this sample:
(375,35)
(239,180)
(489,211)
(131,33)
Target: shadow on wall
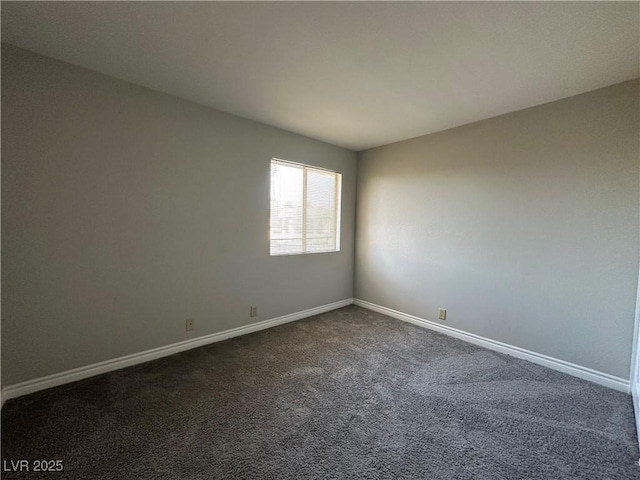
(524,226)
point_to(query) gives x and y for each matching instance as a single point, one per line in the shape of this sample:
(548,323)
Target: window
(305,209)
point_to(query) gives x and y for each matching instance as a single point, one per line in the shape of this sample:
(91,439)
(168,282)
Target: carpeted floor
(348,394)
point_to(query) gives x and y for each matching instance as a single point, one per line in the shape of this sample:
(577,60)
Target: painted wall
(524,227)
(126,211)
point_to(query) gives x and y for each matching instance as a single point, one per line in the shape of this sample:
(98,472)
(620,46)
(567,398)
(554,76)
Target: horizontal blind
(305,206)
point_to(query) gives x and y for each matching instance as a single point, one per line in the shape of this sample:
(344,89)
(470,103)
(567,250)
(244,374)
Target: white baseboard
(585,373)
(31,386)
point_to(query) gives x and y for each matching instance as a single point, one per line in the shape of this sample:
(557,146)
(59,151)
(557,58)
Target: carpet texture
(347,394)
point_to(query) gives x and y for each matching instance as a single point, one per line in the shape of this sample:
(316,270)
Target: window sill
(302,253)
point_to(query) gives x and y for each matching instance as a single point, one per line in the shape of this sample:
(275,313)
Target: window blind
(305,209)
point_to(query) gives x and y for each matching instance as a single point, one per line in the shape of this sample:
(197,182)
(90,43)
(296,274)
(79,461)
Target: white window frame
(337,203)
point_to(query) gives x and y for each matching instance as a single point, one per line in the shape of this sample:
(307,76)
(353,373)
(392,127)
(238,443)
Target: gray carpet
(347,394)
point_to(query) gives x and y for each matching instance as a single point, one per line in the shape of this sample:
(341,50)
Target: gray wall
(524,226)
(126,211)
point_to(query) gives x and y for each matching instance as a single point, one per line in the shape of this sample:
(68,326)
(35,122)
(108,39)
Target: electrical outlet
(253,312)
(442,314)
(190,324)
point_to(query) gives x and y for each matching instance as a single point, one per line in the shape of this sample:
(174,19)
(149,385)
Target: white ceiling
(355,74)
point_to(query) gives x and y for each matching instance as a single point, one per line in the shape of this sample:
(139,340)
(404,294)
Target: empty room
(313,240)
